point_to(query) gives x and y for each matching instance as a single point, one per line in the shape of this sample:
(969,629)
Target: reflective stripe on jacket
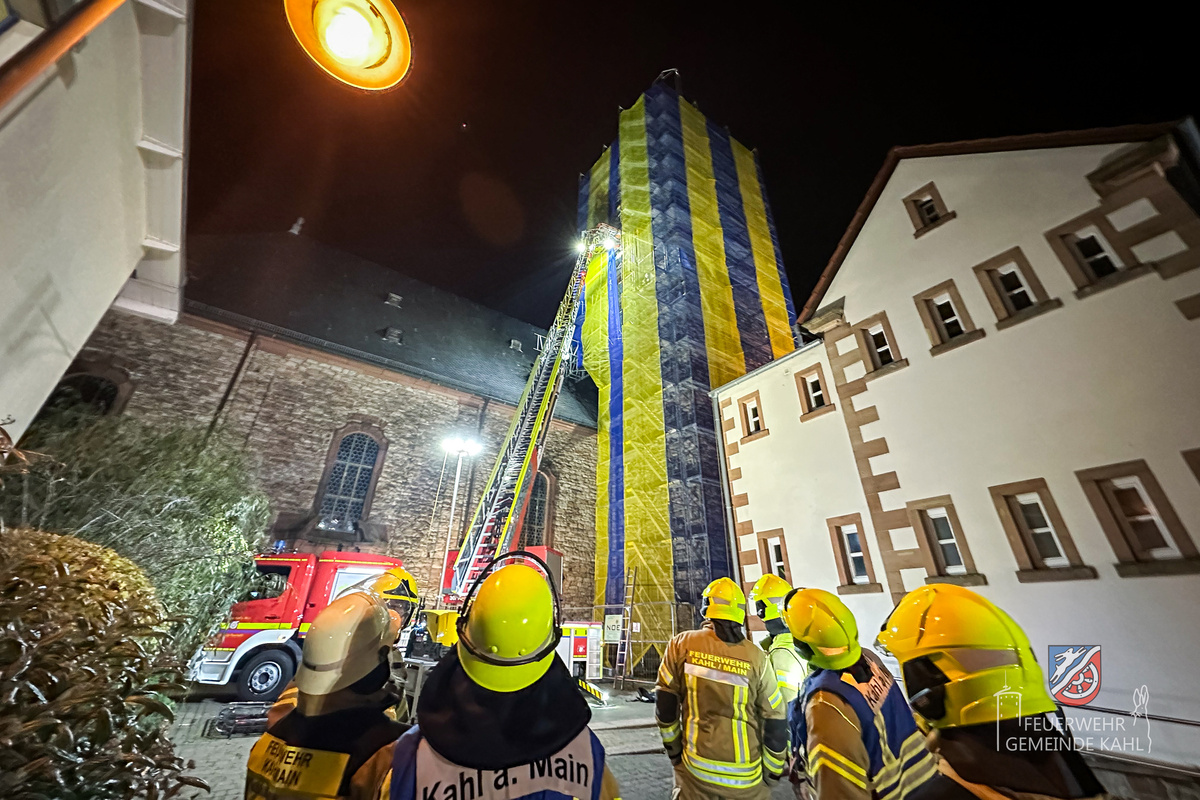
(575,771)
(727,692)
(790,669)
(344,754)
(896,759)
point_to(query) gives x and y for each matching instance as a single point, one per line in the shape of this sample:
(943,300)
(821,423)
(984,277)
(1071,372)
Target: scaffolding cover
(698,297)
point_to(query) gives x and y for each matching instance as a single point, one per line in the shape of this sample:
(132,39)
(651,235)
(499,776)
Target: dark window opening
(534,534)
(1095,256)
(950,322)
(1015,290)
(927,210)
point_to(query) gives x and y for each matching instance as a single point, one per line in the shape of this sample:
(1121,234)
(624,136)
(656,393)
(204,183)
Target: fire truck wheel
(264,676)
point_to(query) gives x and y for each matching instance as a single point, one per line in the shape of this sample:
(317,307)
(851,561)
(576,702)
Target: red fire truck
(258,649)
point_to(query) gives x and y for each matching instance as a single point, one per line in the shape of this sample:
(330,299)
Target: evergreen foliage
(184,509)
(84,695)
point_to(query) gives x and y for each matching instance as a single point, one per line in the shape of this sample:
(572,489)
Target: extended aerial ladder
(498,514)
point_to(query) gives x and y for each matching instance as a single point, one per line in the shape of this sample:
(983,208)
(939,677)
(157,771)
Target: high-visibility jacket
(730,729)
(343,754)
(576,771)
(790,668)
(858,736)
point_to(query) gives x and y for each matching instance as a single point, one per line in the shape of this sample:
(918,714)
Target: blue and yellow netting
(696,298)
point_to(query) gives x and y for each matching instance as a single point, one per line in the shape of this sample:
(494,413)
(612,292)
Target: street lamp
(461,448)
(363,43)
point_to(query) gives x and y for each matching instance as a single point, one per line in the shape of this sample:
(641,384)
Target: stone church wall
(290,400)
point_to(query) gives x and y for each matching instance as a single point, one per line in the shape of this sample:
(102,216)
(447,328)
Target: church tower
(694,297)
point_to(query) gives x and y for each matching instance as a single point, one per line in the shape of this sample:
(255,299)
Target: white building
(92,170)
(1004,394)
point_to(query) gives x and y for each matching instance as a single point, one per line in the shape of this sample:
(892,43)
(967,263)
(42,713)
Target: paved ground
(626,729)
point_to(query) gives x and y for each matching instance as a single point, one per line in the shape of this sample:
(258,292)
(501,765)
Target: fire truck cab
(258,648)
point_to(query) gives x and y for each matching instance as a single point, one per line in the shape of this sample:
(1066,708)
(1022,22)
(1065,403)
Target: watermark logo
(1107,732)
(1075,680)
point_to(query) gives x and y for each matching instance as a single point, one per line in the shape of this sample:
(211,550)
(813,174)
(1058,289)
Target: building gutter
(51,45)
(730,524)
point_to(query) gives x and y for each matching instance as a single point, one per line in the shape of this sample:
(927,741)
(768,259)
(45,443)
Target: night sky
(466,175)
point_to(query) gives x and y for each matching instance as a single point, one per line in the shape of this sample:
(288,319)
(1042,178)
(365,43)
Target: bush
(185,510)
(84,696)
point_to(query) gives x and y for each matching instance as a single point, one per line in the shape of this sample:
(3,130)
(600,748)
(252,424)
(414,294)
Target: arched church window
(538,527)
(351,472)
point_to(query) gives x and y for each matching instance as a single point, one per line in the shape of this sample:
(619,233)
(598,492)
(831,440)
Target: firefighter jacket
(722,713)
(342,752)
(471,743)
(856,737)
(790,668)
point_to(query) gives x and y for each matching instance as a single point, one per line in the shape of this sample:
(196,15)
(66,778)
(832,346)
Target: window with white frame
(856,557)
(816,395)
(1094,253)
(1030,514)
(1014,292)
(927,210)
(777,562)
(880,347)
(946,316)
(944,542)
(1141,521)
(753,417)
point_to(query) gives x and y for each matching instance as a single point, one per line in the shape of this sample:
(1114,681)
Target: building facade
(92,153)
(1000,393)
(342,397)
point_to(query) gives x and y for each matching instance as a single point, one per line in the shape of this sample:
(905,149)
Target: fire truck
(258,648)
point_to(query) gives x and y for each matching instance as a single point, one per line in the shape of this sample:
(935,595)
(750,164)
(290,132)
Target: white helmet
(348,640)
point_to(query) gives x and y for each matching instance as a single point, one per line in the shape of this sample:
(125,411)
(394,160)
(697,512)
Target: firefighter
(718,706)
(337,741)
(501,715)
(767,595)
(397,590)
(852,730)
(971,676)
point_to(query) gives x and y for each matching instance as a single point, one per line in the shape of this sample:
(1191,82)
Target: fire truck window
(269,582)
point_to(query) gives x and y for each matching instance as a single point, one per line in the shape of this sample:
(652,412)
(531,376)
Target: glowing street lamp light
(457,446)
(363,43)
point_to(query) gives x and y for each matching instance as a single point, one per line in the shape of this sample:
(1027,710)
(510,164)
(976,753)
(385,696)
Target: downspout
(237,373)
(51,45)
(730,524)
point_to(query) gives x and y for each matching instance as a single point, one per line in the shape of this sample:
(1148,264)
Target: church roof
(296,288)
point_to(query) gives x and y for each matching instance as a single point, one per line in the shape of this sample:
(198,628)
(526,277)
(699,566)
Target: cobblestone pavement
(221,762)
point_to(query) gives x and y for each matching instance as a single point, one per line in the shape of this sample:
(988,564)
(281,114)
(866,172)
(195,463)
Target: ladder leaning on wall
(626,642)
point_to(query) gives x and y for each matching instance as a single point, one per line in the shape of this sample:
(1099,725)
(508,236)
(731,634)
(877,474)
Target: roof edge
(998,144)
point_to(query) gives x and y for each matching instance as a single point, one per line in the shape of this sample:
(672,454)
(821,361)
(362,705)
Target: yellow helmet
(348,640)
(724,599)
(964,661)
(396,584)
(767,594)
(824,630)
(510,624)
